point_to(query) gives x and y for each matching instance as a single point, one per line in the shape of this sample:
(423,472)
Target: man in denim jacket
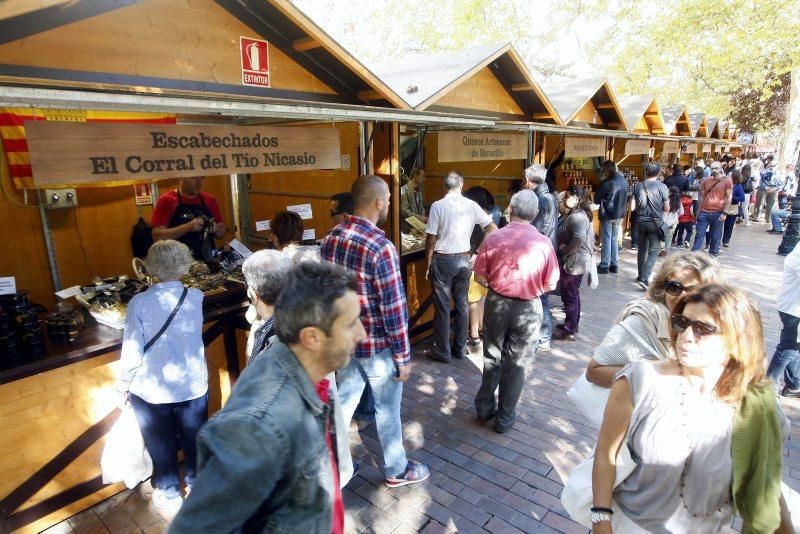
(266,461)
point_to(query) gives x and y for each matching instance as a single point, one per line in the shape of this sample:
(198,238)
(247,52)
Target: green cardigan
(757,453)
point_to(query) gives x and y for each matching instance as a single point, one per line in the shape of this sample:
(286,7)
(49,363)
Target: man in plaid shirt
(384,357)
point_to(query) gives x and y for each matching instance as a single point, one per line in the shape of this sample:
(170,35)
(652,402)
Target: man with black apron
(190,216)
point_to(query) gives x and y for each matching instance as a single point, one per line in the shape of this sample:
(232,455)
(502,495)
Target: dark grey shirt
(651,209)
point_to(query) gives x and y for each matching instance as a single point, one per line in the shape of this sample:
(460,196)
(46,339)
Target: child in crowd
(671,218)
(683,236)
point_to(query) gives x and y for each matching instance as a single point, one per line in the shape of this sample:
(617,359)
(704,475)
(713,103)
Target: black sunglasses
(676,288)
(699,328)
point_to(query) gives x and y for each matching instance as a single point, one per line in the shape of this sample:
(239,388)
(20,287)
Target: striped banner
(15,145)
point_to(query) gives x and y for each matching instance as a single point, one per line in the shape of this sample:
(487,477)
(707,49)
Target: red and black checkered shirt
(362,247)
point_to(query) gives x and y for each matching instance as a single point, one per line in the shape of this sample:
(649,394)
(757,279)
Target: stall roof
(571,96)
(26,35)
(713,127)
(723,129)
(697,121)
(638,107)
(676,120)
(422,80)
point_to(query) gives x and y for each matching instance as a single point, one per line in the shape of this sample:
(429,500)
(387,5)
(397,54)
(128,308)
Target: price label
(8,285)
(309,234)
(64,294)
(303,210)
(262,226)
(239,247)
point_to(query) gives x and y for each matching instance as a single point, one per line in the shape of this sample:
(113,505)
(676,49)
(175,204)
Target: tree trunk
(790,152)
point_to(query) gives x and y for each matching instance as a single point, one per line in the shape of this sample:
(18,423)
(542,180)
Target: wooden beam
(542,116)
(308,43)
(651,114)
(605,105)
(614,124)
(369,94)
(518,87)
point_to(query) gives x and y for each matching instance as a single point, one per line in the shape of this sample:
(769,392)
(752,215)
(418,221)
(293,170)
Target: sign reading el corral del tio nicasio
(477,146)
(89,152)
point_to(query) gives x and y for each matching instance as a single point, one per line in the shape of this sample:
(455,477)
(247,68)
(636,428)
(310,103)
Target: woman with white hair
(163,369)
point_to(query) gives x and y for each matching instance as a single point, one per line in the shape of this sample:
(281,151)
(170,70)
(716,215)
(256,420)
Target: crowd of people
(682,368)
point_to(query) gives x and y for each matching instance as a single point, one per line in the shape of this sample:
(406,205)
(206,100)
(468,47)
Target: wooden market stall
(98,80)
(489,81)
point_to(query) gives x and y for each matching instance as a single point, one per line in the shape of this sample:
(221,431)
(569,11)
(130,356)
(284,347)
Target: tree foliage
(754,110)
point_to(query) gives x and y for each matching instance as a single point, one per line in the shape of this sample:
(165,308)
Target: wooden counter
(58,402)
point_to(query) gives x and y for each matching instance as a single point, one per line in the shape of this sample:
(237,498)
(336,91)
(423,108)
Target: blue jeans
(787,354)
(380,371)
(711,221)
(162,425)
(776,217)
(609,254)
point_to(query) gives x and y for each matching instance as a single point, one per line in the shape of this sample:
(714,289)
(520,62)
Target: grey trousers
(449,277)
(767,200)
(510,340)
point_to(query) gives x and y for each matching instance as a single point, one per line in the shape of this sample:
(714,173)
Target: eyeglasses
(676,288)
(699,328)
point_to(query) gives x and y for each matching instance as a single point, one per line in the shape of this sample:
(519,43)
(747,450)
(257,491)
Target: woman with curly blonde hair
(704,428)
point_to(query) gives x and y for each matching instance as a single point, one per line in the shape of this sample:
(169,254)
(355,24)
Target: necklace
(685,384)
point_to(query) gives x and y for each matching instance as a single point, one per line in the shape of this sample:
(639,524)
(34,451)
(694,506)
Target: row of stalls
(91,97)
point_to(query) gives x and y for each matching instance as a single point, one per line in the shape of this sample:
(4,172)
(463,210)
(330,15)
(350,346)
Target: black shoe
(563,335)
(786,392)
(771,231)
(435,357)
(613,269)
(602,270)
(487,417)
(458,355)
(726,245)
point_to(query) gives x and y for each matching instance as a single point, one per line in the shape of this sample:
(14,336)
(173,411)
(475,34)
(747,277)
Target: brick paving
(482,481)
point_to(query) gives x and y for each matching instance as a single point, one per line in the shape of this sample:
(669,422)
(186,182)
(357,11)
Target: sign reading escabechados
(90,152)
(477,146)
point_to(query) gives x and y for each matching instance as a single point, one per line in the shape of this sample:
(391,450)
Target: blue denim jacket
(263,462)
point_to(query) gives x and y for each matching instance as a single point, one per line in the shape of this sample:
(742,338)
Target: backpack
(141,238)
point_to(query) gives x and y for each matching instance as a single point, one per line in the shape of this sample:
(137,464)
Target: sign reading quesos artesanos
(87,152)
(477,146)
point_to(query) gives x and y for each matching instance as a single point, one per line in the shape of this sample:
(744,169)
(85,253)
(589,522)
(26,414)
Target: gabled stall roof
(723,129)
(713,127)
(697,121)
(423,80)
(200,50)
(638,109)
(676,120)
(571,96)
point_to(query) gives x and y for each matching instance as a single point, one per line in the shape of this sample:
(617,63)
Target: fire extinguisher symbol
(254,56)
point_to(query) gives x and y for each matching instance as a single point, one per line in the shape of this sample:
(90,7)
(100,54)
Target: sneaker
(415,473)
(613,269)
(563,335)
(686,245)
(787,392)
(771,231)
(726,245)
(642,285)
(544,347)
(164,502)
(602,270)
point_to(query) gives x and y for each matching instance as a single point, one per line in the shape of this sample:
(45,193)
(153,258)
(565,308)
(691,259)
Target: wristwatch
(599,517)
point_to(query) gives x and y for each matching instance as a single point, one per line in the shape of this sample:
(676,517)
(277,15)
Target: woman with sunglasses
(705,428)
(575,238)
(642,329)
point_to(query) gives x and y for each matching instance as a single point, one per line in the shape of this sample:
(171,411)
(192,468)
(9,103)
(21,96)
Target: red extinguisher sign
(255,61)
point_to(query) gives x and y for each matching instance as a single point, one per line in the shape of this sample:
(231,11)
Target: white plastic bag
(577,494)
(590,399)
(125,458)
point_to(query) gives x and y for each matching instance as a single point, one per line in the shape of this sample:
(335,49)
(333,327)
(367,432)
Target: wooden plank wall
(160,38)
(493,175)
(42,414)
(273,192)
(24,254)
(481,91)
(588,114)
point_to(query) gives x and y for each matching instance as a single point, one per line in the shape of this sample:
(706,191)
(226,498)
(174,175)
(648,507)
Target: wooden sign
(706,148)
(637,146)
(691,148)
(584,147)
(73,153)
(671,147)
(479,146)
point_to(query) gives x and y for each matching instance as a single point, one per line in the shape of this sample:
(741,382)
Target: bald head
(371,198)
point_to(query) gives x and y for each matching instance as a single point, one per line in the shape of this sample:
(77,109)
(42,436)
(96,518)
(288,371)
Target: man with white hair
(265,273)
(518,265)
(450,224)
(546,221)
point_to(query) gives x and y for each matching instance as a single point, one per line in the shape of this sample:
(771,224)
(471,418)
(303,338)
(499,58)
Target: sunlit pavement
(480,480)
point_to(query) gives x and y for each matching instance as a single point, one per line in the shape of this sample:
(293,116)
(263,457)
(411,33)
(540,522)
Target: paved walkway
(483,481)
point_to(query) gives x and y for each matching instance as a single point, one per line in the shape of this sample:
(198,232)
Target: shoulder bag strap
(167,322)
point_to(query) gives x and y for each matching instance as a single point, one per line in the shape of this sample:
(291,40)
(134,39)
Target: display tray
(96,339)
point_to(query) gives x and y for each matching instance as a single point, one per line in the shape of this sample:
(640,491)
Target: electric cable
(80,239)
